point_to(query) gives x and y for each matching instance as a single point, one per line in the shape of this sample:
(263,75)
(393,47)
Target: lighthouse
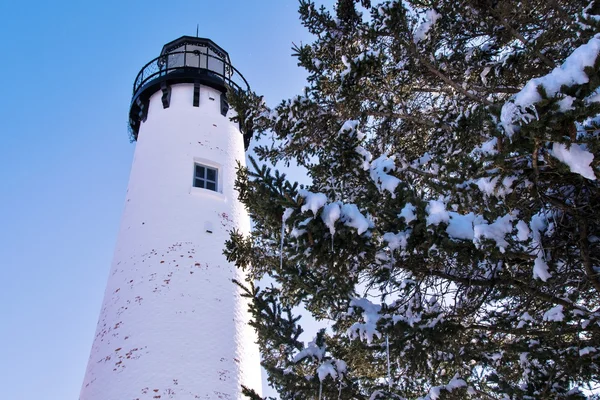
(172,323)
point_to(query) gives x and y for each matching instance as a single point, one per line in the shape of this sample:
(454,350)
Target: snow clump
(489,186)
(576,157)
(368,329)
(396,240)
(379,174)
(312,201)
(332,368)
(422,32)
(587,350)
(331,213)
(408,213)
(538,225)
(461,226)
(326,369)
(436,210)
(523,231)
(311,350)
(524,319)
(521,107)
(487,148)
(496,231)
(349,127)
(455,383)
(540,269)
(554,314)
(353,218)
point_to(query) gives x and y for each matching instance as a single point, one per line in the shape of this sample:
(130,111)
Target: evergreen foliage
(449,242)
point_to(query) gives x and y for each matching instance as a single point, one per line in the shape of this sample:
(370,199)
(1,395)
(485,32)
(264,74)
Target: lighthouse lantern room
(172,323)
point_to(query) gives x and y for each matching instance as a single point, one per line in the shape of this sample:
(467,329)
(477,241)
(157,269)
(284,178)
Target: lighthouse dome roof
(187,42)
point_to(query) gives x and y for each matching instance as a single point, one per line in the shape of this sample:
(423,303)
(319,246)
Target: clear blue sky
(67,71)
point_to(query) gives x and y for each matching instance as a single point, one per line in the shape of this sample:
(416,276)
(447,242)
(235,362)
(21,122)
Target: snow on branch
(349,214)
(422,31)
(436,391)
(353,218)
(370,315)
(576,157)
(521,107)
(408,213)
(397,240)
(333,368)
(379,174)
(312,201)
(327,367)
(554,314)
(496,231)
(330,214)
(350,128)
(312,350)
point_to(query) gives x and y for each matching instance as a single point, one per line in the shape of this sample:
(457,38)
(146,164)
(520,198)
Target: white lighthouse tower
(172,324)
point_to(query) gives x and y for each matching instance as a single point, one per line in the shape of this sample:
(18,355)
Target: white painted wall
(173,325)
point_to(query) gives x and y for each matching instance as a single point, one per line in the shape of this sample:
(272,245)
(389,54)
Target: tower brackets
(224,104)
(143,106)
(166,94)
(197,94)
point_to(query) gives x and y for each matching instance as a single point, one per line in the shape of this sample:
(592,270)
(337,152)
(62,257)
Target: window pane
(199,171)
(206,177)
(211,174)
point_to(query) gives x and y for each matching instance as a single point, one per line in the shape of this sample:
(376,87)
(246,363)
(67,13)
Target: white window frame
(218,194)
(204,180)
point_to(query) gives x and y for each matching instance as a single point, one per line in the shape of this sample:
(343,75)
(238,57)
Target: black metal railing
(202,63)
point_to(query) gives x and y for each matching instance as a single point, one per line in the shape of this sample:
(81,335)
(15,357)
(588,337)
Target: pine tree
(450,239)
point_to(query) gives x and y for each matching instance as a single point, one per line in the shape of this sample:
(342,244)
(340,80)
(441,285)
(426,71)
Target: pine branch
(453,84)
(525,42)
(593,276)
(510,282)
(408,117)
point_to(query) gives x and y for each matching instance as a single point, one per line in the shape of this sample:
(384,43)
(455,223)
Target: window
(205,177)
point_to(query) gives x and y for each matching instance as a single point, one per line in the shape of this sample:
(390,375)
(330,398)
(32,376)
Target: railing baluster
(160,67)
